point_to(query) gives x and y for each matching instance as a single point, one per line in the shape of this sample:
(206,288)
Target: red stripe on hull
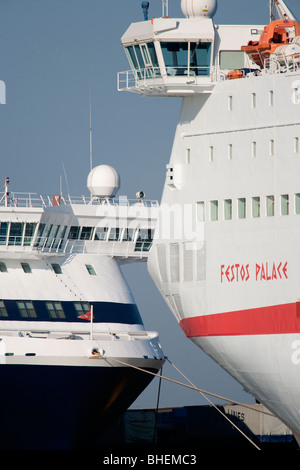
(278,319)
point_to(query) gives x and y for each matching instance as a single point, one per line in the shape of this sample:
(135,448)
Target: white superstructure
(225,254)
(69,327)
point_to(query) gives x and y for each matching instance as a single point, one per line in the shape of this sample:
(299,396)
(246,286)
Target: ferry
(226,250)
(72,341)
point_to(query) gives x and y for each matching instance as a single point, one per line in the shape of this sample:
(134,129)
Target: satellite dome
(103,181)
(199,8)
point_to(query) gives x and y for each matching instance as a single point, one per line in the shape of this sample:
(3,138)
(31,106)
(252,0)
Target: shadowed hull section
(63,408)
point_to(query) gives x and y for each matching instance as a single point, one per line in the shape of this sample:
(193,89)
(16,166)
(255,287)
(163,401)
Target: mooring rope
(202,392)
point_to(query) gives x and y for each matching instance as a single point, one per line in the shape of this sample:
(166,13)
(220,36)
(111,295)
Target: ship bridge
(169,56)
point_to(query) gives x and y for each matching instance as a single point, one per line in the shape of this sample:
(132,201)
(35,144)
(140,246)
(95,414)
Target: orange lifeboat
(274,35)
(233,74)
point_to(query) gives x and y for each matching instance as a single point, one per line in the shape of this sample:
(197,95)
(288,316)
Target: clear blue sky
(51,53)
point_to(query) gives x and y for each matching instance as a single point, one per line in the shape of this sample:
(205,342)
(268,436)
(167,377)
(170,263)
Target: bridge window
(128,235)
(101,233)
(143,60)
(29,232)
(3,232)
(144,240)
(186,58)
(114,234)
(74,233)
(86,233)
(16,233)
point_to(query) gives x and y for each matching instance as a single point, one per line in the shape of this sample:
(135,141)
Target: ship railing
(151,76)
(41,201)
(124,249)
(282,63)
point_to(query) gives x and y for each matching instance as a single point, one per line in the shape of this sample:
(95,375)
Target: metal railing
(31,200)
(129,80)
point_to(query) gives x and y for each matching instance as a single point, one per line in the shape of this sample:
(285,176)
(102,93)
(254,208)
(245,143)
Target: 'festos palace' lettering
(260,272)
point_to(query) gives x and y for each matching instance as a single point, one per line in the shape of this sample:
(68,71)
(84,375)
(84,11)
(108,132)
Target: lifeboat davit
(277,33)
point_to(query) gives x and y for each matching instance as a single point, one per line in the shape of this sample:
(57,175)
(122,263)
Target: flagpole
(91,335)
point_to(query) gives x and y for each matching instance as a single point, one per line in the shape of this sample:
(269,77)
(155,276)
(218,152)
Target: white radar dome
(103,181)
(199,8)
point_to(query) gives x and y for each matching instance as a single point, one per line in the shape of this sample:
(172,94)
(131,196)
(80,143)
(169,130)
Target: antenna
(91,144)
(165,8)
(65,177)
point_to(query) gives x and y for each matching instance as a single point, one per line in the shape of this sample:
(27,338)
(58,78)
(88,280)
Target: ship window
(144,240)
(87,233)
(60,236)
(74,233)
(82,307)
(39,234)
(3,232)
(114,234)
(29,232)
(272,147)
(297,203)
(242,208)
(188,156)
(90,269)
(231,60)
(229,152)
(3,268)
(228,209)
(253,149)
(55,310)
(214,210)
(253,100)
(16,233)
(296,145)
(43,234)
(26,309)
(101,233)
(230,100)
(200,211)
(128,234)
(284,204)
(143,60)
(271,98)
(56,268)
(256,206)
(211,154)
(26,267)
(184,58)
(270,200)
(3,311)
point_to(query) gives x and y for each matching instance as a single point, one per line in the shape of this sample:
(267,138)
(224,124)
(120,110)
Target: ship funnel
(199,8)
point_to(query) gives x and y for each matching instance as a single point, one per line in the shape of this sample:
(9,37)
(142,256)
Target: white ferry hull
(234,284)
